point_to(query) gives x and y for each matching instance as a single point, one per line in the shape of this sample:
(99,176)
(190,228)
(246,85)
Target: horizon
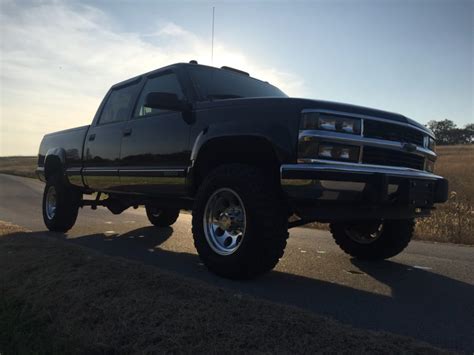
(61,57)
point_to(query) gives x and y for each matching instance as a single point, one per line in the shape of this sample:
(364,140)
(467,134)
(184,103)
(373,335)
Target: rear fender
(55,162)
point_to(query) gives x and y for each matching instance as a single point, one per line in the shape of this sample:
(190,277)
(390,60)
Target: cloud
(58,60)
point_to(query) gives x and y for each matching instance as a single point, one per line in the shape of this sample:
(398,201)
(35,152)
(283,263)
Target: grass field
(451,222)
(21,166)
(57,297)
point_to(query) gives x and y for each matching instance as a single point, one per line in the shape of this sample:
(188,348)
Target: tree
(469,132)
(443,131)
(447,132)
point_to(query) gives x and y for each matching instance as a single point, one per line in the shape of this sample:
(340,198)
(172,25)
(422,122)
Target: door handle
(92,137)
(127,132)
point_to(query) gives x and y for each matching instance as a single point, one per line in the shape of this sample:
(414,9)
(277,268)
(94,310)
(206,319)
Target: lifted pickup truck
(248,161)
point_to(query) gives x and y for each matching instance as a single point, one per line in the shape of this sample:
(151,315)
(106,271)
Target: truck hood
(298,104)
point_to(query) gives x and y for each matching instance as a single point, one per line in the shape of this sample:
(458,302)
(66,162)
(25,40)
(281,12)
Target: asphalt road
(427,292)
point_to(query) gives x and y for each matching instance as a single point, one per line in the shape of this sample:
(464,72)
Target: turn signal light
(313,149)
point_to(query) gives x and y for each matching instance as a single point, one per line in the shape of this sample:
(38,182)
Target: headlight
(431,144)
(329,122)
(312,149)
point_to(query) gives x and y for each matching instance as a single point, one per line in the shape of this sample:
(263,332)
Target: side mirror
(165,101)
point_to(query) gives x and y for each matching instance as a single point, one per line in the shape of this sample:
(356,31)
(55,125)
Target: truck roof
(175,65)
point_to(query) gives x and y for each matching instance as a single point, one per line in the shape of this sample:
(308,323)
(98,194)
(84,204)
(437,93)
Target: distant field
(452,222)
(22,166)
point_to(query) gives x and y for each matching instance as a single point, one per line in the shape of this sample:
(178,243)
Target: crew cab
(249,161)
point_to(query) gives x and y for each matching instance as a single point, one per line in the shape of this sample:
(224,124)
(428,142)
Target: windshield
(221,84)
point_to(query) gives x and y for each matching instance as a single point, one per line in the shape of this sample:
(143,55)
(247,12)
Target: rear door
(102,144)
(155,153)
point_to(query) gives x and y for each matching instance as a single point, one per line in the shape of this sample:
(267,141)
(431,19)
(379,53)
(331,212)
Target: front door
(102,145)
(155,153)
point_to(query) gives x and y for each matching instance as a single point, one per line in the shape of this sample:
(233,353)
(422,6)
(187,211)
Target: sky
(58,58)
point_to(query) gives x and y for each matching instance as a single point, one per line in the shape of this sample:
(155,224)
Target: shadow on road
(423,305)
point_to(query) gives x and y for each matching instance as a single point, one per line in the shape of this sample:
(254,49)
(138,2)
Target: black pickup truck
(249,161)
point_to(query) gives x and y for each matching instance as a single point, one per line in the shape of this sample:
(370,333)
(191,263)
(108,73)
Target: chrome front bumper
(360,182)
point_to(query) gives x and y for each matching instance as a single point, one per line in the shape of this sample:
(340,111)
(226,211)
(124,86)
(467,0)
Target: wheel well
(52,165)
(253,151)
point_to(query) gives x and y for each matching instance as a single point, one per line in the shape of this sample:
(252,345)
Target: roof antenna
(212,41)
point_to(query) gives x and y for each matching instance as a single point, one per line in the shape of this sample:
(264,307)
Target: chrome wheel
(365,233)
(224,221)
(51,202)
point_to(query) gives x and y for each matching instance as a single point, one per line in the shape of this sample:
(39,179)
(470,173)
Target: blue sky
(58,58)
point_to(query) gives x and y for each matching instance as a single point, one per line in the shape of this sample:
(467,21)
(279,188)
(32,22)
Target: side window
(118,104)
(163,83)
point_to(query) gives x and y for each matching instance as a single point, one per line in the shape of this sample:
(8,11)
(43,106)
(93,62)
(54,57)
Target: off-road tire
(395,236)
(266,231)
(67,205)
(166,216)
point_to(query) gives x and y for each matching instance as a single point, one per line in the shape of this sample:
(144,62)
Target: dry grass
(453,221)
(21,166)
(7,228)
(56,297)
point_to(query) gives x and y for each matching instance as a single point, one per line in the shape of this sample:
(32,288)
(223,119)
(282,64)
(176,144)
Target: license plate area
(417,192)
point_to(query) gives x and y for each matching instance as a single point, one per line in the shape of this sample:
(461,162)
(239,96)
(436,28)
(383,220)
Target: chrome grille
(392,132)
(380,142)
(381,156)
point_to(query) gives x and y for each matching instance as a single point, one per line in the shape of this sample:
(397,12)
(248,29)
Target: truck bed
(67,144)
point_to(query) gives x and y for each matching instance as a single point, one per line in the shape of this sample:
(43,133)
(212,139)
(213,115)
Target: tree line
(448,133)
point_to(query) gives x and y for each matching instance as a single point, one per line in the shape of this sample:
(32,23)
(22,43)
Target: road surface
(427,292)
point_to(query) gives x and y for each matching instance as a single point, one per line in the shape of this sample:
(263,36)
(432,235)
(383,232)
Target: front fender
(277,136)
